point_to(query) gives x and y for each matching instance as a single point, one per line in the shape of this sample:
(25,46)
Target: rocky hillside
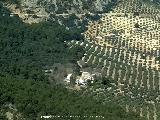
(70,6)
(34,11)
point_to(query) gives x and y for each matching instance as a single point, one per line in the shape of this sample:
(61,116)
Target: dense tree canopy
(37,98)
(26,49)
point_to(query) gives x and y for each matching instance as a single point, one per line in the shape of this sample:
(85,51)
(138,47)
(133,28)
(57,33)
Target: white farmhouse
(68,78)
(82,80)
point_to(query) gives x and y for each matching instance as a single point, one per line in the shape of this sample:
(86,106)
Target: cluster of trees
(155,3)
(12,1)
(87,5)
(26,49)
(37,98)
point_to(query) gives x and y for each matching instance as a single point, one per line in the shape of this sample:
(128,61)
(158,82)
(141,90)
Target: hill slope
(124,46)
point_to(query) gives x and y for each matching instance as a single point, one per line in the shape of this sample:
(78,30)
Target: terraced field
(125,44)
